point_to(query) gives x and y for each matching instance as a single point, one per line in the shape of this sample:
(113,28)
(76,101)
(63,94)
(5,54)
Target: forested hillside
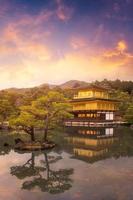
(12,99)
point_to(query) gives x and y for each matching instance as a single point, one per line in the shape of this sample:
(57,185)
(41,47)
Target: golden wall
(100,105)
(91,93)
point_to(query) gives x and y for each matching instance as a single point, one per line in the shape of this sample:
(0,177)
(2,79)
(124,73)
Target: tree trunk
(32,135)
(45,134)
(30,131)
(46,129)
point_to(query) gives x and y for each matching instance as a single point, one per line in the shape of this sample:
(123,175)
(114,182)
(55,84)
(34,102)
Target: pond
(87,164)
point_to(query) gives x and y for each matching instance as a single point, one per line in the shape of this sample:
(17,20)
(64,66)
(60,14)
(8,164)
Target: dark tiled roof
(92,99)
(92,87)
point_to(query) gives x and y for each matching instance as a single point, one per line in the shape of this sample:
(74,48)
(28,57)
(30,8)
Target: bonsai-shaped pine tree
(46,113)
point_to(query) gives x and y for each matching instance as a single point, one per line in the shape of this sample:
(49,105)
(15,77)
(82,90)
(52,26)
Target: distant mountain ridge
(126,86)
(73,84)
(67,85)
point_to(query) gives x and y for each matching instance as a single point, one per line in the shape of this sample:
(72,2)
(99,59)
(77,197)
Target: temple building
(92,104)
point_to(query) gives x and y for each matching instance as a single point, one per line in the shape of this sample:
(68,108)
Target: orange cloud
(90,64)
(121,46)
(34,62)
(36,51)
(119,55)
(27,48)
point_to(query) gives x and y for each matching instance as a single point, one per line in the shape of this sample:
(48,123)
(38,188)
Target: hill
(73,84)
(125,86)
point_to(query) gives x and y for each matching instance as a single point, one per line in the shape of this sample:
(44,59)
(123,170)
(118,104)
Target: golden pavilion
(92,104)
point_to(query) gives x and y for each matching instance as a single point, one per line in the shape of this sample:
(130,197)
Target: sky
(54,41)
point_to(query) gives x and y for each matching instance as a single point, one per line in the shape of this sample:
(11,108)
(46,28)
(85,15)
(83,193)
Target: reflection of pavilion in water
(91,144)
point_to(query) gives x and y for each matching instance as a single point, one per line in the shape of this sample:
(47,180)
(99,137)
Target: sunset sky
(53,41)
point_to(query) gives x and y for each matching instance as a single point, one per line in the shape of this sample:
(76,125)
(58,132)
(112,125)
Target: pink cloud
(78,42)
(25,31)
(33,20)
(22,40)
(64,13)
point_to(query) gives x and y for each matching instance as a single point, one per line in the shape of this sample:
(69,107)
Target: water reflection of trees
(123,148)
(43,177)
(28,169)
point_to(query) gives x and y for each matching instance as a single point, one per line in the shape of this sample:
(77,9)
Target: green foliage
(25,119)
(8,106)
(124,86)
(46,113)
(124,100)
(53,107)
(129,114)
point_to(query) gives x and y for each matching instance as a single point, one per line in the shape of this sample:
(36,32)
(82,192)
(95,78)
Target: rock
(34,146)
(6,144)
(18,140)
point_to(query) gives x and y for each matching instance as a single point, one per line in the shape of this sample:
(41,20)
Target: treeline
(11,100)
(124,86)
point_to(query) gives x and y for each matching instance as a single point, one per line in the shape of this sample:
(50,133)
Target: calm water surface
(87,164)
